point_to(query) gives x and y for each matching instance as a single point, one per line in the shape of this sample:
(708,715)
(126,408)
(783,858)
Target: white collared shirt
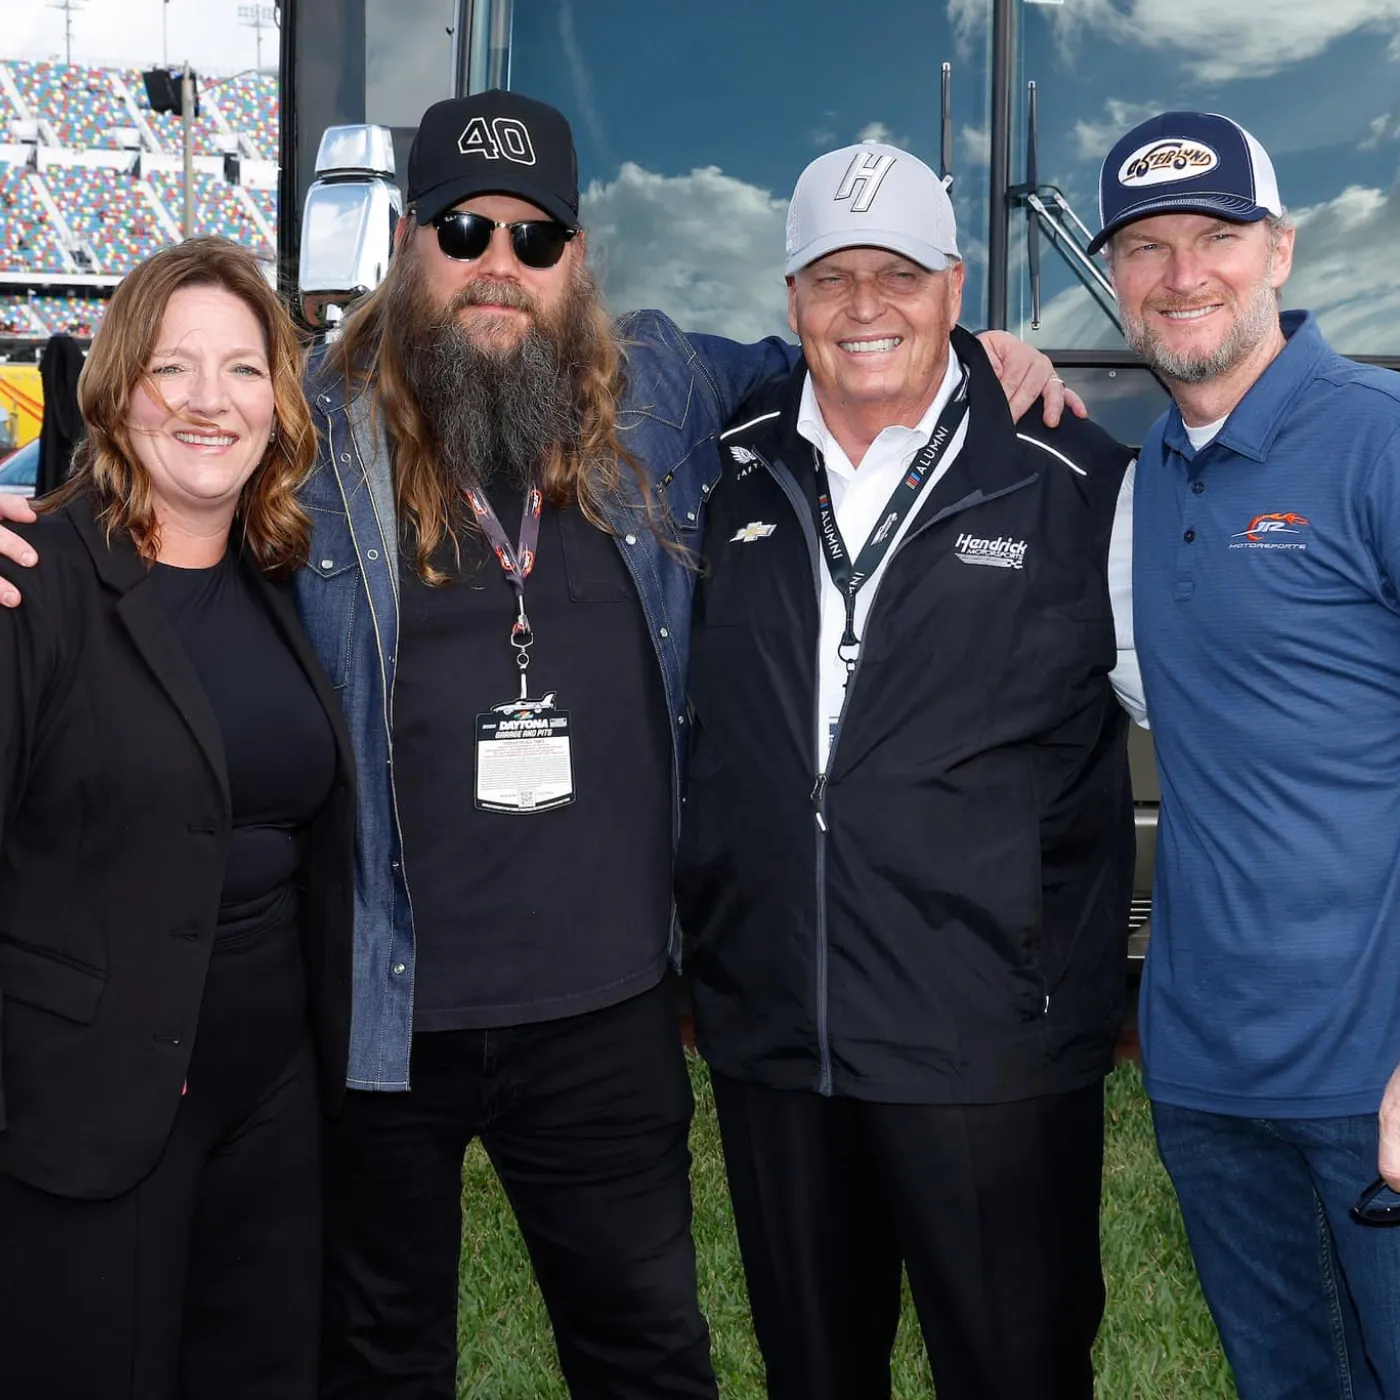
(858,496)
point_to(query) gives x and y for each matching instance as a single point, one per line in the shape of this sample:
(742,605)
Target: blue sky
(695,121)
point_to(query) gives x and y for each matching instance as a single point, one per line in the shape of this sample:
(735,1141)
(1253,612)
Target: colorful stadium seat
(109,213)
(28,243)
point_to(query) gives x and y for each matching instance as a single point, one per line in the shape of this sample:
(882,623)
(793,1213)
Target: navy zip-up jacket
(946,922)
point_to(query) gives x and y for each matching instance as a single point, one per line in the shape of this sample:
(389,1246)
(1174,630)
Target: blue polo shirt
(1268,630)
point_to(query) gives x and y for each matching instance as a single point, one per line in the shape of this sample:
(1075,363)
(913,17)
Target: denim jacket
(681,391)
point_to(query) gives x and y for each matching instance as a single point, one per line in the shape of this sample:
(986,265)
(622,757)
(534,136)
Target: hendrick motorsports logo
(1266,531)
(1001,553)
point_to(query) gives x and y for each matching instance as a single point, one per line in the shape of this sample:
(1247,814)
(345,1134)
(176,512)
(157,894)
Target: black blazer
(114,834)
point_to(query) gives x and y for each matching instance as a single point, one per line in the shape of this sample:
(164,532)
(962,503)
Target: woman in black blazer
(176,829)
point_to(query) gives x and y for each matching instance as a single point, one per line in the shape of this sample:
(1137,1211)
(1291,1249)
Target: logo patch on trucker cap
(1161,162)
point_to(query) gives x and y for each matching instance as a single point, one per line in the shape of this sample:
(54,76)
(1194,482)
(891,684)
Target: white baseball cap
(870,196)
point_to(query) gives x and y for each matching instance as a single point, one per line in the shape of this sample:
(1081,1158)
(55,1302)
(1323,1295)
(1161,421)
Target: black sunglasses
(536,243)
(1376,1205)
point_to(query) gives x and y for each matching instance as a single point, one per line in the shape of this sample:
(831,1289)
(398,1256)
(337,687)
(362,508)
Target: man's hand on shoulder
(1026,374)
(12,547)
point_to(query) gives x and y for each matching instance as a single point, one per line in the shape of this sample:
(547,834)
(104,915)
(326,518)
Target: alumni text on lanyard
(850,576)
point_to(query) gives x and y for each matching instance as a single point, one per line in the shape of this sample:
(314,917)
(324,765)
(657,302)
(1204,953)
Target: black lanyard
(517,562)
(850,577)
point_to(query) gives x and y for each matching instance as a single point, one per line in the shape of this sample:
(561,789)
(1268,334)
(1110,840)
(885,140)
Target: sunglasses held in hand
(537,243)
(1377,1205)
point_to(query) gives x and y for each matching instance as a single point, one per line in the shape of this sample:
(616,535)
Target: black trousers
(993,1210)
(199,1284)
(586,1121)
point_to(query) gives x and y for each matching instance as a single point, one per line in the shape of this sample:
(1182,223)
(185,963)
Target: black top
(522,918)
(115,829)
(277,742)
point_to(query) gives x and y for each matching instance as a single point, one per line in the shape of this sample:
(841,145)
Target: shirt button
(1198,486)
(1189,536)
(328,563)
(373,554)
(399,969)
(665,632)
(631,539)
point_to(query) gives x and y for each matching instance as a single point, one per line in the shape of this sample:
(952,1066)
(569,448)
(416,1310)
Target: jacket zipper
(803,510)
(818,795)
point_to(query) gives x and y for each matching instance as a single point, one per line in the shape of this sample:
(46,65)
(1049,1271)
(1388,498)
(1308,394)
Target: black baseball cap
(493,143)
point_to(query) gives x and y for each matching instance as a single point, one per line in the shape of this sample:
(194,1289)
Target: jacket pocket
(35,978)
(330,593)
(685,490)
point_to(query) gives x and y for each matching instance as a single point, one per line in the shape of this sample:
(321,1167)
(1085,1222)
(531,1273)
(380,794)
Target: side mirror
(348,223)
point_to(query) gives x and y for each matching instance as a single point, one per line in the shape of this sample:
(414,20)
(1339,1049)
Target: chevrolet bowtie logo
(754,530)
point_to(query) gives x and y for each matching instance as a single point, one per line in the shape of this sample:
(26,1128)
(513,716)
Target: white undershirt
(859,496)
(1204,434)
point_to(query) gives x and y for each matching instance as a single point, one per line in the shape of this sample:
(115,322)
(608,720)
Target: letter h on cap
(865,173)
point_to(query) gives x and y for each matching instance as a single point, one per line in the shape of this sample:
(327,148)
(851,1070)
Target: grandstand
(91,181)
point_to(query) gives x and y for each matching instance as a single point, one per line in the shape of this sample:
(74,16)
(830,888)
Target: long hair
(276,531)
(429,501)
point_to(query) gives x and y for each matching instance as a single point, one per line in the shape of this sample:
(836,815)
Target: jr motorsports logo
(1272,531)
(1001,553)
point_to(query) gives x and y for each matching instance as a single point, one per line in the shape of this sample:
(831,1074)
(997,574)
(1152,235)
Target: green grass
(1157,1341)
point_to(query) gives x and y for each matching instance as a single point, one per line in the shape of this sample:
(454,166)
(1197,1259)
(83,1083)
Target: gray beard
(1255,320)
(495,414)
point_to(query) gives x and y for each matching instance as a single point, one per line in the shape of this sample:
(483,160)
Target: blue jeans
(1306,1300)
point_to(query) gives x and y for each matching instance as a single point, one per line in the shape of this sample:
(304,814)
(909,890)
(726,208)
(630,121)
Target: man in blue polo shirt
(1266,565)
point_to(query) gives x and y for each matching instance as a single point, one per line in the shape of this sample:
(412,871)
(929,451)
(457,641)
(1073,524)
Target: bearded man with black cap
(504,509)
(510,514)
(906,860)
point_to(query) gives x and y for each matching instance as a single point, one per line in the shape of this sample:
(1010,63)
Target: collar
(769,421)
(811,424)
(1255,421)
(115,560)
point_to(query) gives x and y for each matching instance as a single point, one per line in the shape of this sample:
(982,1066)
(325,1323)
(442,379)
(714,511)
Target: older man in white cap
(906,858)
(1267,574)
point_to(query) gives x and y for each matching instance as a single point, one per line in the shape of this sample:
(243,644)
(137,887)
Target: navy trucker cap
(1186,163)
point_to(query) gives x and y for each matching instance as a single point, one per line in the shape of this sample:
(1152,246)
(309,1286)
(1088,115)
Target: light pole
(187,110)
(169,90)
(68,7)
(258,18)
